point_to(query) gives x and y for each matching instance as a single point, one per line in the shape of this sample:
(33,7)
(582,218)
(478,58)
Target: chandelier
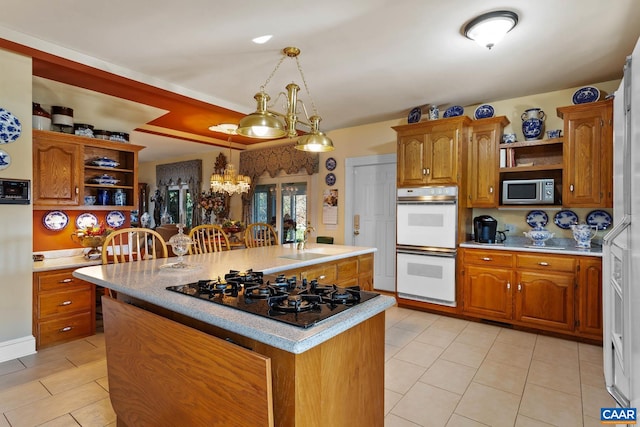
(266,123)
(229,181)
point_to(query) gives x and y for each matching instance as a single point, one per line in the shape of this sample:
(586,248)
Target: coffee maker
(485,229)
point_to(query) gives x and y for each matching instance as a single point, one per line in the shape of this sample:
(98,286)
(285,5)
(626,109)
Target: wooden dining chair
(208,238)
(260,234)
(133,244)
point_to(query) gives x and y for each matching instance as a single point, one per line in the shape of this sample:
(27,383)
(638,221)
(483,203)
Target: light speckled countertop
(561,246)
(61,259)
(147,281)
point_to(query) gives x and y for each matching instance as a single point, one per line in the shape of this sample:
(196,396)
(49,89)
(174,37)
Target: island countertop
(146,280)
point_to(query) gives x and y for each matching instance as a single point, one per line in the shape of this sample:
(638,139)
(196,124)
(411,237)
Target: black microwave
(15,191)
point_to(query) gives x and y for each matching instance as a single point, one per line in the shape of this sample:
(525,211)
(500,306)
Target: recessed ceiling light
(228,128)
(262,39)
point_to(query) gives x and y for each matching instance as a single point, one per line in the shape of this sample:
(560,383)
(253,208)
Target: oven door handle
(427,251)
(416,201)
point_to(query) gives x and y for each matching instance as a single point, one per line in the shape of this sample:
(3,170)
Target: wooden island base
(339,382)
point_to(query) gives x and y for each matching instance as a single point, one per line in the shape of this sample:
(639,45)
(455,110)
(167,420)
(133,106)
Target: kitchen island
(329,374)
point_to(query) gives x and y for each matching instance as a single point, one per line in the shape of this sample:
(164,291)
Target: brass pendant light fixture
(266,123)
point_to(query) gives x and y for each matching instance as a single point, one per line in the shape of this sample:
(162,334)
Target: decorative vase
(434,112)
(583,233)
(41,119)
(532,123)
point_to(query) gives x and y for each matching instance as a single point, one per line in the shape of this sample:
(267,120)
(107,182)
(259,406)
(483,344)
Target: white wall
(16,235)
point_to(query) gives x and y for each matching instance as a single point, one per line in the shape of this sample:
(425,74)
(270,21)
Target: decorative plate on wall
(600,219)
(484,111)
(415,115)
(85,220)
(10,127)
(330,179)
(55,220)
(565,219)
(454,111)
(115,219)
(5,160)
(537,218)
(330,164)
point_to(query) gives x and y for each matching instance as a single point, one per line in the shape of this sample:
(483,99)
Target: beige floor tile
(590,353)
(465,354)
(434,336)
(11,366)
(522,421)
(399,375)
(394,314)
(57,352)
(592,422)
(88,356)
(417,321)
(475,338)
(21,395)
(592,374)
(460,421)
(594,398)
(561,378)
(556,350)
(71,378)
(103,382)
(484,329)
(97,340)
(517,338)
(4,422)
(489,405)
(510,354)
(390,351)
(450,324)
(419,353)
(449,376)
(55,406)
(396,421)
(390,399)
(426,405)
(501,376)
(551,406)
(64,421)
(99,413)
(399,337)
(34,373)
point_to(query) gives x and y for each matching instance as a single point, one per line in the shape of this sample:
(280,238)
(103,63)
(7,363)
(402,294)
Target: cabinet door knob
(543,263)
(571,188)
(66,329)
(491,190)
(428,171)
(487,258)
(424,171)
(77,190)
(519,287)
(508,285)
(67,302)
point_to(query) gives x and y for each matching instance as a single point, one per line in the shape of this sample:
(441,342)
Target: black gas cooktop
(300,303)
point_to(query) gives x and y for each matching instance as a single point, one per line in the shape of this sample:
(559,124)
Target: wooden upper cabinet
(57,172)
(429,151)
(588,156)
(483,163)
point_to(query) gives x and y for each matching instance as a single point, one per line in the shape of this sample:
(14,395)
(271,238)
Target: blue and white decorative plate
(330,179)
(484,111)
(565,219)
(415,115)
(454,111)
(330,164)
(585,94)
(10,127)
(600,219)
(105,162)
(86,220)
(105,180)
(537,218)
(5,159)
(115,219)
(55,220)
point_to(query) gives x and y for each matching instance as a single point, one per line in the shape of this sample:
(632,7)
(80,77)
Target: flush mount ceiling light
(266,123)
(489,28)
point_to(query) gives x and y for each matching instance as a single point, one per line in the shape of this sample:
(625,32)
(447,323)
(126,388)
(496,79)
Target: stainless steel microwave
(528,191)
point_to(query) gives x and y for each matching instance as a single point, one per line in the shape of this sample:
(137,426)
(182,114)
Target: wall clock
(330,164)
(330,179)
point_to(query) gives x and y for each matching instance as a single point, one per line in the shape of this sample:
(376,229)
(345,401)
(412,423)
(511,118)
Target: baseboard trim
(18,347)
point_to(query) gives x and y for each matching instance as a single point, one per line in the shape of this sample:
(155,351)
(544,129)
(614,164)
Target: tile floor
(439,371)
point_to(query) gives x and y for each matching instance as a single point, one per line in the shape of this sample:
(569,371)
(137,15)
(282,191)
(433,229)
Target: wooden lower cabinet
(64,307)
(353,271)
(557,293)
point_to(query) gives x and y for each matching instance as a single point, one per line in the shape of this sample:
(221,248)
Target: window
(180,204)
(283,203)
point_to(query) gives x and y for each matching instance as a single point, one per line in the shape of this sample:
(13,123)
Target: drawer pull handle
(67,280)
(66,329)
(544,264)
(487,258)
(68,302)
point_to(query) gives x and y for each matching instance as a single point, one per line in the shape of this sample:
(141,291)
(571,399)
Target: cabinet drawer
(546,262)
(488,258)
(347,269)
(65,329)
(62,303)
(58,280)
(324,273)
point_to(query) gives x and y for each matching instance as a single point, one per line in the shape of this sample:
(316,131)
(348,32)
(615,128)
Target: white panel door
(374,201)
